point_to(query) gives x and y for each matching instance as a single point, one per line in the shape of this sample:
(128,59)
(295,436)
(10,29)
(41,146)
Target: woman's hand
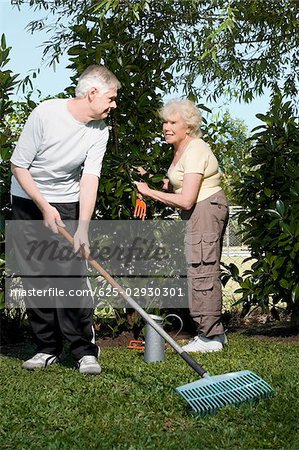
(166,184)
(141,170)
(143,188)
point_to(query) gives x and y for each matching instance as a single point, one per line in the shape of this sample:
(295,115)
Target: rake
(210,393)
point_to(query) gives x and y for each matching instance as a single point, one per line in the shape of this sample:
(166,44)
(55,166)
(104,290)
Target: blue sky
(26,55)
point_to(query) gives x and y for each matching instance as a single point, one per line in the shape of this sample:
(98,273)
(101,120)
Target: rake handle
(187,358)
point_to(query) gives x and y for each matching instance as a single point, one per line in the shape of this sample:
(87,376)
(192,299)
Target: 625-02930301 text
(105,292)
(140,292)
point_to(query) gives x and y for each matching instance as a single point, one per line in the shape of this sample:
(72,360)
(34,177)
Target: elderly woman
(193,186)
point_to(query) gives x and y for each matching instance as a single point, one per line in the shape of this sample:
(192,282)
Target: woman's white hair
(98,77)
(188,111)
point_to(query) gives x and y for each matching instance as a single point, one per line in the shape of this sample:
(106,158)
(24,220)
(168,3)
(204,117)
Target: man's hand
(52,218)
(81,242)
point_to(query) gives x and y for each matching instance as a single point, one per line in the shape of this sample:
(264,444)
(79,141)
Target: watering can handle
(180,319)
(192,363)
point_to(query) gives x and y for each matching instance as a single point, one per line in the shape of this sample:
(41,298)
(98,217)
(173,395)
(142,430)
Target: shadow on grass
(23,351)
(20,350)
(275,330)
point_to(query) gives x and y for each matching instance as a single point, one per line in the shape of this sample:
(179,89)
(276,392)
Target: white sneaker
(88,364)
(40,361)
(203,344)
(220,338)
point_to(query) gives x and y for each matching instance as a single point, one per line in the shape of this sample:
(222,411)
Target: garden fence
(234,251)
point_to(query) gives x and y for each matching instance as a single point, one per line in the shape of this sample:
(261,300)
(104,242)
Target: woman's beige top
(197,158)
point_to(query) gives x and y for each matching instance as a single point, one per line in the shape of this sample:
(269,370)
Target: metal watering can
(154,350)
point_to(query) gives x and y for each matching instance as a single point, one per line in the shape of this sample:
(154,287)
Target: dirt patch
(275,332)
(124,338)
(260,326)
(119,341)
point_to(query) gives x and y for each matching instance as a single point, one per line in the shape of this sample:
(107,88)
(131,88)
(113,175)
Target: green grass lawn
(133,404)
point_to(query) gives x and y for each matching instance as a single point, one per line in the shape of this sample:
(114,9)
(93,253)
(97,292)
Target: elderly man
(56,167)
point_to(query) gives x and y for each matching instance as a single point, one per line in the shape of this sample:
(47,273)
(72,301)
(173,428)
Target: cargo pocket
(193,252)
(221,208)
(203,285)
(206,297)
(220,203)
(210,248)
(199,295)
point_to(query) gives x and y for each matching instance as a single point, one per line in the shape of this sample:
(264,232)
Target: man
(62,137)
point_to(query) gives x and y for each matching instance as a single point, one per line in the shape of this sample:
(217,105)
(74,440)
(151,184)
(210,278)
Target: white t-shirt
(197,158)
(54,146)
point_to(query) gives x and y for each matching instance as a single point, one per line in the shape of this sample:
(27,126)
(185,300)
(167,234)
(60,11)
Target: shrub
(269,193)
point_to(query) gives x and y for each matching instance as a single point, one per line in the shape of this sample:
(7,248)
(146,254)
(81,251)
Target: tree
(8,81)
(234,47)
(143,43)
(12,118)
(229,140)
(269,192)
(10,121)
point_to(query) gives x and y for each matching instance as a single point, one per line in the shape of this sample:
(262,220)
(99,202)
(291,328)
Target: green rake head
(207,395)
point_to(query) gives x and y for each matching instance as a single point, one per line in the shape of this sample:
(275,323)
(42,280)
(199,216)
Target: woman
(193,186)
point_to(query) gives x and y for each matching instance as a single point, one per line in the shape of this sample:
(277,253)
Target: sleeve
(29,141)
(95,155)
(196,159)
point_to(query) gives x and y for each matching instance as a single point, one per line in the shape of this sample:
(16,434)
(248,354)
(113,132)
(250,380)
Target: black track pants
(51,324)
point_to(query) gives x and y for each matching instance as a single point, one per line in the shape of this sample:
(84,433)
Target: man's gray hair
(98,77)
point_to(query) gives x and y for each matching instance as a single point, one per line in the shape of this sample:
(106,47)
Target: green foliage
(228,139)
(237,47)
(13,117)
(134,405)
(153,47)
(7,84)
(269,192)
(131,39)
(119,41)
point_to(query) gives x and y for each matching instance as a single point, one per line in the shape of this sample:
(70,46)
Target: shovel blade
(211,393)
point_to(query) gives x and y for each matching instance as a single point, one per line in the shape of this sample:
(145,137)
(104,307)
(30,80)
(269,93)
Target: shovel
(210,393)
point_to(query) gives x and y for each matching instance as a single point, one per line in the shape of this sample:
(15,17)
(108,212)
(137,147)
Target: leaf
(284,283)
(295,294)
(234,270)
(3,41)
(267,192)
(264,118)
(273,212)
(280,207)
(279,261)
(286,228)
(2,300)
